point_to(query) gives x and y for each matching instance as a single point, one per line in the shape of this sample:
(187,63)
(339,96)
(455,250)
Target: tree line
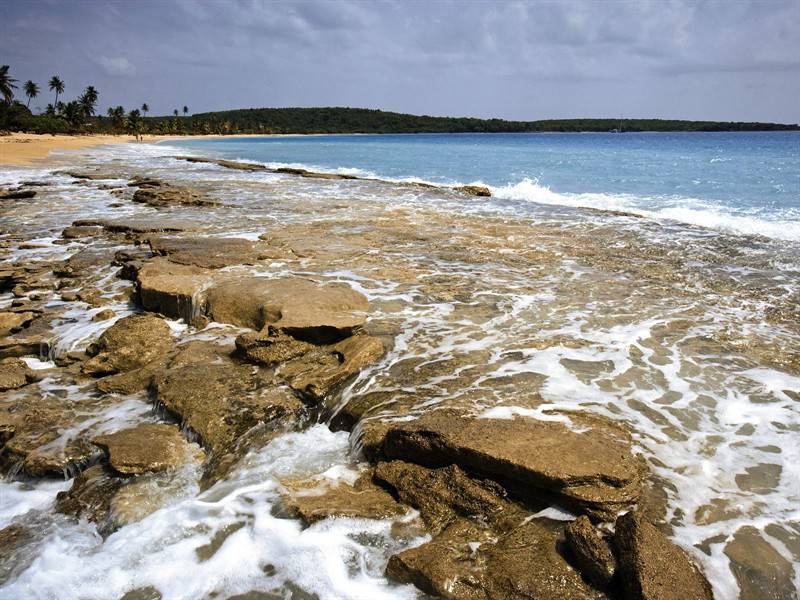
(78,116)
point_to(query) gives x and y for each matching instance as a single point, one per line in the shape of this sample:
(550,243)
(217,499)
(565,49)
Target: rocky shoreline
(489,494)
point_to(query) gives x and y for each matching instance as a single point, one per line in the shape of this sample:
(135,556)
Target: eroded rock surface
(129,344)
(147,448)
(593,471)
(208,252)
(653,568)
(14,373)
(168,195)
(315,500)
(590,552)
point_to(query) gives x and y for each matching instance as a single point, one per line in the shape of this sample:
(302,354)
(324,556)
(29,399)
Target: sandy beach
(21,149)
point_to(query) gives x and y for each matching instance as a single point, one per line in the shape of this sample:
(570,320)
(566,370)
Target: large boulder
(592,471)
(129,344)
(651,567)
(147,448)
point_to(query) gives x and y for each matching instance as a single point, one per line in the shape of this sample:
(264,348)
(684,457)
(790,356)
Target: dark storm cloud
(524,60)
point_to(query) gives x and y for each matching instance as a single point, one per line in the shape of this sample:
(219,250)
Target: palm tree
(31,91)
(185,110)
(7,86)
(145,109)
(88,100)
(133,122)
(175,112)
(56,85)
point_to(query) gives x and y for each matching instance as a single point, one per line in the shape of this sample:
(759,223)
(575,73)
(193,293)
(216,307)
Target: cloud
(116,66)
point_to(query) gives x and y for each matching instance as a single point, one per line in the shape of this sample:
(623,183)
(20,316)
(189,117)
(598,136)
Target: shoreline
(30,149)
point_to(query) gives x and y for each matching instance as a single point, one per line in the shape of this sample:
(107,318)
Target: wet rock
(90,497)
(16,194)
(447,494)
(473,190)
(138,181)
(318,373)
(129,344)
(593,471)
(469,562)
(83,262)
(651,567)
(28,346)
(312,174)
(167,196)
(147,448)
(315,500)
(306,310)
(225,402)
(270,348)
(209,253)
(133,381)
(85,175)
(760,571)
(591,553)
(71,233)
(104,315)
(172,289)
(135,225)
(14,373)
(12,541)
(12,322)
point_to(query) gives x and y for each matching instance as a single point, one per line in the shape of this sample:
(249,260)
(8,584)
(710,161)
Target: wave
(690,211)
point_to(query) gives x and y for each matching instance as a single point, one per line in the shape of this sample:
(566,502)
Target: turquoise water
(746,183)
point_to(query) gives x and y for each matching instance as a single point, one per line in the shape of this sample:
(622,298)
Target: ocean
(747,183)
(652,280)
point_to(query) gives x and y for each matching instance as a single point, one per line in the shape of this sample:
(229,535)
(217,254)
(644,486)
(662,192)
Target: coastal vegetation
(78,116)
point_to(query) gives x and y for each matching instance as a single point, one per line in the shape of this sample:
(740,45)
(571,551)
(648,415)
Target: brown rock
(593,471)
(81,263)
(104,315)
(306,310)
(14,373)
(469,562)
(208,252)
(136,225)
(761,572)
(71,233)
(17,194)
(129,344)
(318,373)
(590,552)
(473,190)
(653,568)
(166,196)
(30,346)
(171,289)
(447,494)
(314,501)
(90,497)
(147,448)
(11,322)
(270,348)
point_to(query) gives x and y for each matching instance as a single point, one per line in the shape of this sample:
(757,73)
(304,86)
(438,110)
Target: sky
(715,60)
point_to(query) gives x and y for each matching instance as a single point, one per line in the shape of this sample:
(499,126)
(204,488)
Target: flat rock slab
(172,289)
(304,309)
(12,322)
(148,448)
(168,196)
(591,471)
(137,225)
(129,344)
(651,567)
(314,500)
(210,253)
